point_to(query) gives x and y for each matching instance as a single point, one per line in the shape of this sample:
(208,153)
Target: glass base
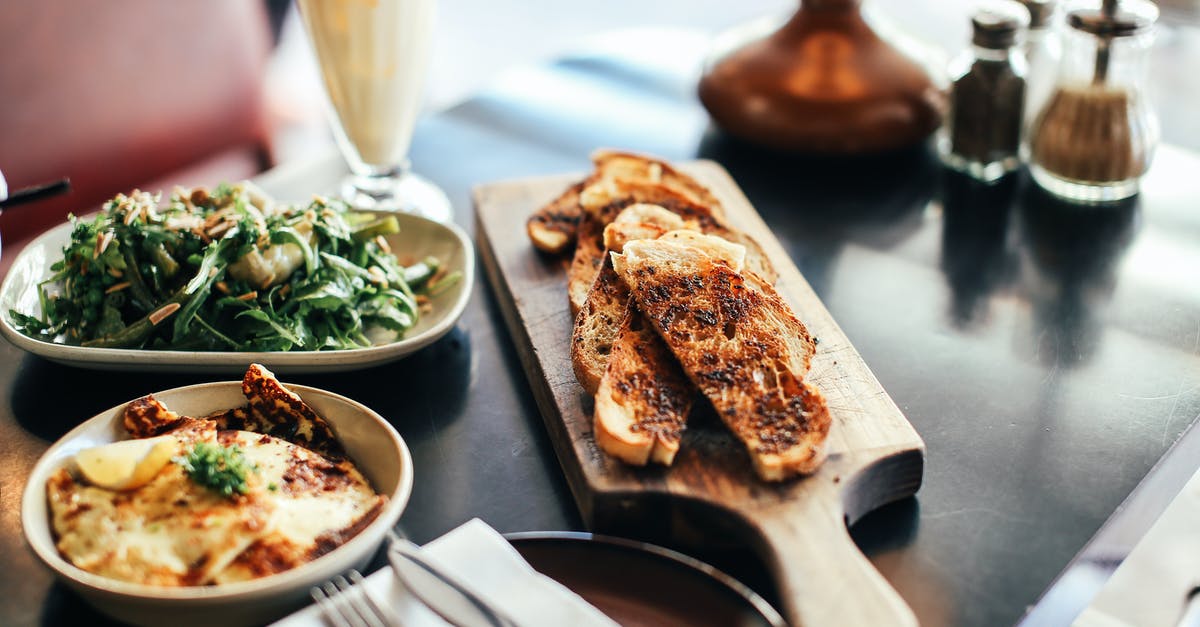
(403,192)
(1084,191)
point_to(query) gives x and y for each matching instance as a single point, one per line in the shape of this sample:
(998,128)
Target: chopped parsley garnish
(218,468)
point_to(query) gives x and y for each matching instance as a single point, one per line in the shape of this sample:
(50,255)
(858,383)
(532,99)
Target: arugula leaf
(261,316)
(384,312)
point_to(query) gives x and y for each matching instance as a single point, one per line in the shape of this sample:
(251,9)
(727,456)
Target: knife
(30,194)
(441,591)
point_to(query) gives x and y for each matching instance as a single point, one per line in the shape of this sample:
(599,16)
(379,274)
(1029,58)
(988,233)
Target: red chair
(118,94)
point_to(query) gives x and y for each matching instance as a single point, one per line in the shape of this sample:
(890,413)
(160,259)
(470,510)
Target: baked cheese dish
(230,505)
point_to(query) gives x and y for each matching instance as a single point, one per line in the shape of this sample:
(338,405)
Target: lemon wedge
(126,464)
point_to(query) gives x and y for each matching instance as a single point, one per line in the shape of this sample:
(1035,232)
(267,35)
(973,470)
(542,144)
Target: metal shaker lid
(996,28)
(1115,19)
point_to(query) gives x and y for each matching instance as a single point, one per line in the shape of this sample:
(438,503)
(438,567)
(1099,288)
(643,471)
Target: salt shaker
(982,134)
(1095,136)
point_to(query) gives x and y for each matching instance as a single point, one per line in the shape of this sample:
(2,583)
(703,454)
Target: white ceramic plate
(418,237)
(374,446)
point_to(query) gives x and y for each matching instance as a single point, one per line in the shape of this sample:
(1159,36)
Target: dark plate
(642,584)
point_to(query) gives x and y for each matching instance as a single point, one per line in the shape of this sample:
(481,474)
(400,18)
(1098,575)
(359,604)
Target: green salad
(229,269)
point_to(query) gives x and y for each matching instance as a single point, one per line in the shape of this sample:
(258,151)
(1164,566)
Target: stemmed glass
(373,55)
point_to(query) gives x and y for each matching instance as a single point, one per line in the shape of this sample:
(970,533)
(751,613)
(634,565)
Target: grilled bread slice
(644,397)
(589,250)
(614,167)
(589,247)
(589,244)
(623,179)
(587,261)
(599,318)
(643,221)
(738,342)
(552,228)
(708,219)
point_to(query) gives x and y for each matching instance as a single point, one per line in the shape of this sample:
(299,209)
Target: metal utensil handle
(35,192)
(404,549)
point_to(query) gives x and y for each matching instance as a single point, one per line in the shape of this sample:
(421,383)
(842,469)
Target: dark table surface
(1047,354)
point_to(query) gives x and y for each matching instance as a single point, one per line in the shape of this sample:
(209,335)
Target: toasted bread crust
(606,198)
(589,249)
(712,320)
(706,221)
(586,263)
(619,179)
(599,318)
(644,397)
(596,327)
(740,344)
(633,167)
(552,228)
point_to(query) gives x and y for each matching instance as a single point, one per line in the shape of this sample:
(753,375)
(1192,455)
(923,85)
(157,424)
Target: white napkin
(1151,586)
(481,558)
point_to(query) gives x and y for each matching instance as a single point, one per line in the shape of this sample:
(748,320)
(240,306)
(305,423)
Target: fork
(346,603)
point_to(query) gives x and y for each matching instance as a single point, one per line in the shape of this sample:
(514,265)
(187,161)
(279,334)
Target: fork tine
(379,616)
(349,602)
(334,609)
(345,601)
(329,609)
(349,605)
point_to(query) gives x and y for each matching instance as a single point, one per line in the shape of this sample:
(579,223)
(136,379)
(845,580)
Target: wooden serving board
(711,494)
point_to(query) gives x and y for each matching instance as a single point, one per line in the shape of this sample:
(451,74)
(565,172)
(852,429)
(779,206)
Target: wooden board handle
(823,578)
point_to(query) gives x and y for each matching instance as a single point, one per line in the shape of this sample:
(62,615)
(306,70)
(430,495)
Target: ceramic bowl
(374,446)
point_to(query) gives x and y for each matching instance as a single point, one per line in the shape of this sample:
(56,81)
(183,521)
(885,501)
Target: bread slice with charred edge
(616,169)
(644,397)
(589,250)
(589,246)
(622,179)
(552,228)
(587,261)
(739,342)
(599,318)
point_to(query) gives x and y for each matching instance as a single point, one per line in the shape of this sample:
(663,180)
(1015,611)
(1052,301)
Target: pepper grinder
(1094,138)
(982,134)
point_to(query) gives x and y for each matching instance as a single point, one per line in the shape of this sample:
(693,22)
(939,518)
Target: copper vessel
(824,83)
